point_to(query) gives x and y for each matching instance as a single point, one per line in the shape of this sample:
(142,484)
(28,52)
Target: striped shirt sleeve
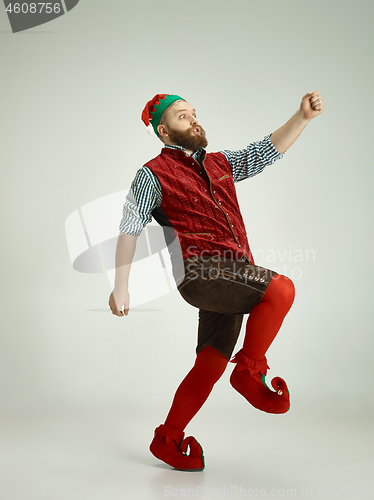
(143,196)
(253,159)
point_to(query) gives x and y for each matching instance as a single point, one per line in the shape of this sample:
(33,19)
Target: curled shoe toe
(168,445)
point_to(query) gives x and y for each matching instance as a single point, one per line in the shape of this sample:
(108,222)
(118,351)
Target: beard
(187,139)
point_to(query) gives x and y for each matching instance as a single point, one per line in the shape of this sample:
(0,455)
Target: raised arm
(310,107)
(253,159)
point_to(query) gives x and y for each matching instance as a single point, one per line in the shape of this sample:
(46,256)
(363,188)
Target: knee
(288,292)
(282,290)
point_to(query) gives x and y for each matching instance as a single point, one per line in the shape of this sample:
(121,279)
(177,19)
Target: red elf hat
(154,108)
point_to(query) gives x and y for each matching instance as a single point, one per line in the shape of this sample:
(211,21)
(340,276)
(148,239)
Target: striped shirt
(145,192)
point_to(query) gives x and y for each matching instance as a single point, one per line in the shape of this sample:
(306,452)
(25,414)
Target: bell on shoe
(248,378)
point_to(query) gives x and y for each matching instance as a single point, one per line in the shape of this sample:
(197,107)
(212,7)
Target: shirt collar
(196,155)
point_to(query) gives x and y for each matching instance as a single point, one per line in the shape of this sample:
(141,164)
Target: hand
(311,105)
(117,299)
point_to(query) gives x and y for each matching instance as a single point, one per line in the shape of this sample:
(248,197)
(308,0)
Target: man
(192,194)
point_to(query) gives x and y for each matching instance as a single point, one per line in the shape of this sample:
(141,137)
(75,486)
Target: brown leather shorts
(223,290)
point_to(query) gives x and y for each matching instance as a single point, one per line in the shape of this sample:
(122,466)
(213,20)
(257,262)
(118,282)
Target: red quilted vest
(201,204)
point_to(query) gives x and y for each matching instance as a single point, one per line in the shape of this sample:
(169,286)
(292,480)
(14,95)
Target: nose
(194,121)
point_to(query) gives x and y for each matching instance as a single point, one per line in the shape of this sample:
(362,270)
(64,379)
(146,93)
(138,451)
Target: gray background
(81,390)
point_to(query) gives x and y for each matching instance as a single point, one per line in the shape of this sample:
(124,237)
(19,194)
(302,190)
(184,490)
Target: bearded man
(192,193)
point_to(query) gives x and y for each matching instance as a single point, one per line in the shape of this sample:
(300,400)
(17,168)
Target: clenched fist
(119,302)
(311,105)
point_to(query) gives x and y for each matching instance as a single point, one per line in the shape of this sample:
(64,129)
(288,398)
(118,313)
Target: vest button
(193,163)
(239,246)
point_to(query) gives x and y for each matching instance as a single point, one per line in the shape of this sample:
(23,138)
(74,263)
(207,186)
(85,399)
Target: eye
(182,116)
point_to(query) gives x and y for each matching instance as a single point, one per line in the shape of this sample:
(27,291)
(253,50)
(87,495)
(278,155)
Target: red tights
(196,387)
(262,326)
(267,316)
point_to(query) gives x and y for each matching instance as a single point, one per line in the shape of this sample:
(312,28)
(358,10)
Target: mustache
(202,131)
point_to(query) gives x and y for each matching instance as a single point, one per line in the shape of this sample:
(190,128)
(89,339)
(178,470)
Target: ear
(162,132)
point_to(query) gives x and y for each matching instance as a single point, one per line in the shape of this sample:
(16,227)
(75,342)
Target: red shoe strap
(255,366)
(169,434)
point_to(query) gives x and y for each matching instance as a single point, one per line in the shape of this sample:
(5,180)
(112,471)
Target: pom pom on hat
(154,108)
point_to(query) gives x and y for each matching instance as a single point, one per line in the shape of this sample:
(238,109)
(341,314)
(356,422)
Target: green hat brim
(161,107)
